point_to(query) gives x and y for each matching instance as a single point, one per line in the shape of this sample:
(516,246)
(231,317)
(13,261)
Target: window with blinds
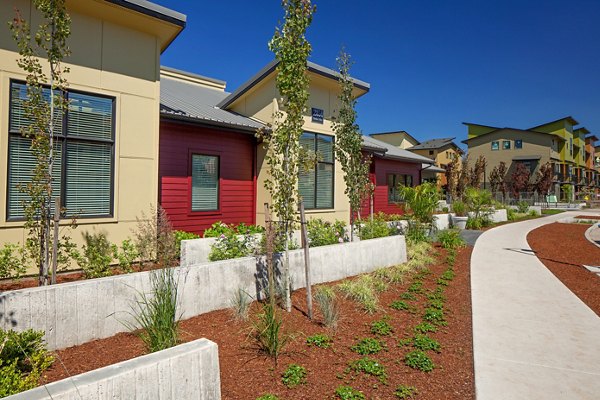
(83,157)
(394,181)
(316,185)
(205,182)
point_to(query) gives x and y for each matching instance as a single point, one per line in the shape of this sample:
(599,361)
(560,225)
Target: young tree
(463,178)
(44,107)
(545,179)
(477,172)
(283,148)
(498,178)
(520,179)
(452,177)
(348,144)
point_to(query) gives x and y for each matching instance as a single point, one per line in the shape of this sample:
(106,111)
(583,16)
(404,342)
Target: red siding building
(206,155)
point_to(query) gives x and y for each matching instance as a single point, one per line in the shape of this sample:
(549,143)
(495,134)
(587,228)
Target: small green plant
(217,229)
(11,261)
(294,375)
(450,238)
(417,359)
(268,329)
(322,233)
(348,393)
(97,255)
(416,287)
(362,291)
(408,296)
(441,282)
(448,275)
(243,229)
(369,366)
(319,340)
(156,313)
(183,235)
(403,305)
(367,346)
(436,303)
(327,301)
(437,294)
(425,327)
(435,316)
(126,255)
(374,229)
(425,343)
(404,342)
(522,207)
(231,245)
(405,392)
(381,327)
(240,304)
(23,360)
(268,396)
(459,208)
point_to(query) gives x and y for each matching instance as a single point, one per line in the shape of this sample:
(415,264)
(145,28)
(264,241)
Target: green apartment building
(558,142)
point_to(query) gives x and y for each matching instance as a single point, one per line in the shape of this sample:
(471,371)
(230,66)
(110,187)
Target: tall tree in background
(544,179)
(464,178)
(476,173)
(520,179)
(283,143)
(498,178)
(45,46)
(452,177)
(348,143)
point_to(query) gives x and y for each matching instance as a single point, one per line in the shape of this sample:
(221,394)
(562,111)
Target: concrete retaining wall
(77,312)
(186,372)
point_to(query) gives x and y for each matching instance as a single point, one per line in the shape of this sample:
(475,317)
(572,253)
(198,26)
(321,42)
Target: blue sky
(431,64)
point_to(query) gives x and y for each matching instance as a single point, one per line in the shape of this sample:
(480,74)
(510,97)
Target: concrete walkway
(532,337)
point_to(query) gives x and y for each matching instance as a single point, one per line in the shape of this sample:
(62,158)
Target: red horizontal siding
(237,183)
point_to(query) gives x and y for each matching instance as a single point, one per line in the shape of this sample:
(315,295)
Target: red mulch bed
(564,250)
(595,217)
(247,374)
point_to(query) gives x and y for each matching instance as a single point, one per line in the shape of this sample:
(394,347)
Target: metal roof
(270,67)
(526,158)
(433,144)
(393,152)
(432,168)
(196,103)
(395,132)
(152,10)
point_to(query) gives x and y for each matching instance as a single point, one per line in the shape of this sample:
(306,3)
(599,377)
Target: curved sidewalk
(532,337)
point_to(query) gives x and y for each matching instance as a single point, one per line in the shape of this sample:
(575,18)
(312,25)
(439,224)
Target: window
(393,182)
(430,152)
(506,145)
(518,144)
(205,182)
(495,145)
(84,154)
(316,185)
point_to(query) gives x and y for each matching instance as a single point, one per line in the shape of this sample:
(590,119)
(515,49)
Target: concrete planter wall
(77,312)
(188,371)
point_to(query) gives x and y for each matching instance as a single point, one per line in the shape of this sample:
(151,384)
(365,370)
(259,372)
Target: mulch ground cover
(564,250)
(247,374)
(589,217)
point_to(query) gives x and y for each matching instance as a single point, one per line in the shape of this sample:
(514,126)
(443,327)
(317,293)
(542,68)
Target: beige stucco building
(108,151)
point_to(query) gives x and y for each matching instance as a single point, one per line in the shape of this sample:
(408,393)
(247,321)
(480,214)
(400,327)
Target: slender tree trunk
(309,306)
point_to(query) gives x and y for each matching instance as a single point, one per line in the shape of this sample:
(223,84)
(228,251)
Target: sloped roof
(433,144)
(569,119)
(270,67)
(193,102)
(152,10)
(393,152)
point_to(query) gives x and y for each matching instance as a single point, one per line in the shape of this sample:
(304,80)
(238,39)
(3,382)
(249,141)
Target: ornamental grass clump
(240,304)
(156,313)
(362,291)
(327,301)
(419,255)
(268,331)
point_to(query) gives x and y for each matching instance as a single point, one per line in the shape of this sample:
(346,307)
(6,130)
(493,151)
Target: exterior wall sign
(317,115)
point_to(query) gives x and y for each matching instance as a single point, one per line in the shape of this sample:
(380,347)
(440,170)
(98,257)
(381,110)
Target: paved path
(532,337)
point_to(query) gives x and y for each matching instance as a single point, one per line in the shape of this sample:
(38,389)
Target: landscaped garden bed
(563,249)
(246,373)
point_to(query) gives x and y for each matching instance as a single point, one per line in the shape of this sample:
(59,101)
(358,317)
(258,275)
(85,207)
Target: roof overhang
(173,116)
(527,158)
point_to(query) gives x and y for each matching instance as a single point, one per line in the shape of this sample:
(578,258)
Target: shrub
(416,287)
(405,392)
(217,229)
(268,396)
(362,291)
(156,313)
(374,229)
(294,375)
(240,304)
(183,235)
(154,238)
(368,346)
(448,275)
(450,239)
(97,255)
(231,245)
(459,208)
(435,316)
(268,330)
(11,261)
(319,340)
(417,359)
(348,393)
(23,360)
(381,327)
(369,366)
(243,229)
(425,327)
(522,207)
(327,302)
(422,201)
(126,255)
(403,305)
(322,233)
(425,343)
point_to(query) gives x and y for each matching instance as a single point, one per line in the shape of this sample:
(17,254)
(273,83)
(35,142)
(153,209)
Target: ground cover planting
(563,249)
(371,350)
